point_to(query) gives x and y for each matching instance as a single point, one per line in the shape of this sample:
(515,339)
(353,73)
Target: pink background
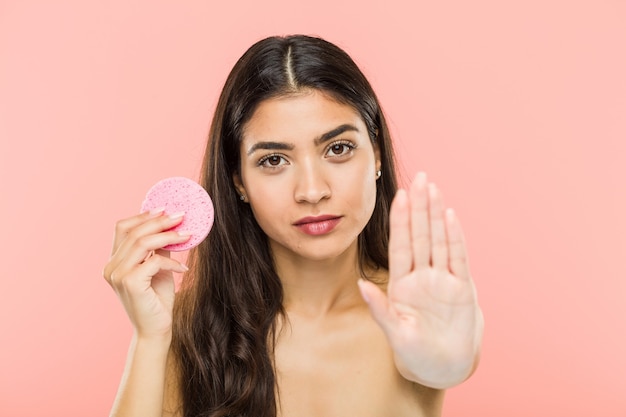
(516,109)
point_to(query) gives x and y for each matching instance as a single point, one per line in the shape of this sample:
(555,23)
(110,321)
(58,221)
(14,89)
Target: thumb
(377,302)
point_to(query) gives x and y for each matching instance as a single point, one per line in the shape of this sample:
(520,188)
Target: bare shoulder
(345,366)
(172,402)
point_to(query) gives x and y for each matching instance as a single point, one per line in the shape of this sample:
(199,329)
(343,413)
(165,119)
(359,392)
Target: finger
(438,238)
(377,302)
(420,225)
(140,251)
(124,226)
(154,268)
(456,245)
(153,226)
(400,257)
(163,284)
(135,250)
(139,278)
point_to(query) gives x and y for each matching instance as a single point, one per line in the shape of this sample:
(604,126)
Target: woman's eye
(271,161)
(339,149)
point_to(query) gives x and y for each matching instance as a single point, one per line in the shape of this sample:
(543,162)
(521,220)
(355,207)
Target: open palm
(430,313)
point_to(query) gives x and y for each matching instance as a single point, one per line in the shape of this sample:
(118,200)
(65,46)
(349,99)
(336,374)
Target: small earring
(242,197)
(378,174)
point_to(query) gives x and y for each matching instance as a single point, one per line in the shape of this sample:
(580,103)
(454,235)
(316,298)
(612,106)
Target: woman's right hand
(141,272)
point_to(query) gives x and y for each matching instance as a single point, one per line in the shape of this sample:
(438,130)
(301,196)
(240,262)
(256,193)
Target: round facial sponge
(180,194)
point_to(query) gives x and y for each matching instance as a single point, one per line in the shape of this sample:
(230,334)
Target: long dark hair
(225,313)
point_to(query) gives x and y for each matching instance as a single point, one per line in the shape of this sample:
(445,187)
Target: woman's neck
(318,287)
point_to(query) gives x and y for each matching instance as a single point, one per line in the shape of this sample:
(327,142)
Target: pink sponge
(179,194)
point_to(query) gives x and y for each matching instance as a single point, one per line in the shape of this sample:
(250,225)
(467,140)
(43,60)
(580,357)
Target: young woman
(314,294)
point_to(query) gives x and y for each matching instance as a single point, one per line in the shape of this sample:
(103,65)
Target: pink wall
(516,109)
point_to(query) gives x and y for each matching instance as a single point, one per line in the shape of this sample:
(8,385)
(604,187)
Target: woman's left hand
(430,313)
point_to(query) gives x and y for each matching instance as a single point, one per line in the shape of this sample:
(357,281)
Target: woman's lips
(319,225)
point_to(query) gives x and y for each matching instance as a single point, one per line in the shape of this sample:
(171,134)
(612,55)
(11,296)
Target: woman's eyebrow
(272,146)
(335,132)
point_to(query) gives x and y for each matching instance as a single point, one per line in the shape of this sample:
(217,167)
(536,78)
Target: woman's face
(308,171)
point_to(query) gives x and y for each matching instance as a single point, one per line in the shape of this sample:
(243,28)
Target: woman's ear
(240,188)
(377,156)
(376,151)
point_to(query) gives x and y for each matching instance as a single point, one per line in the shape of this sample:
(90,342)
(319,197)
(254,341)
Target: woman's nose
(311,184)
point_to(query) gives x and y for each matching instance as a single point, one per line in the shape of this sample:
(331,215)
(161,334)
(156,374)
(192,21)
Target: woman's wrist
(152,342)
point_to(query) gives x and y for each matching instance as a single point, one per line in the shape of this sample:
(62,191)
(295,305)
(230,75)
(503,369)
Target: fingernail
(156,211)
(185,267)
(183,233)
(420,178)
(401,194)
(175,216)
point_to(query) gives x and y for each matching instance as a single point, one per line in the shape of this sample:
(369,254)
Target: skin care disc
(180,194)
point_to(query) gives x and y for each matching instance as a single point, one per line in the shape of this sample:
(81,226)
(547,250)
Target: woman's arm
(142,276)
(141,391)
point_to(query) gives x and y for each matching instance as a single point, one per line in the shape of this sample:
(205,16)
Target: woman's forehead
(306,115)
